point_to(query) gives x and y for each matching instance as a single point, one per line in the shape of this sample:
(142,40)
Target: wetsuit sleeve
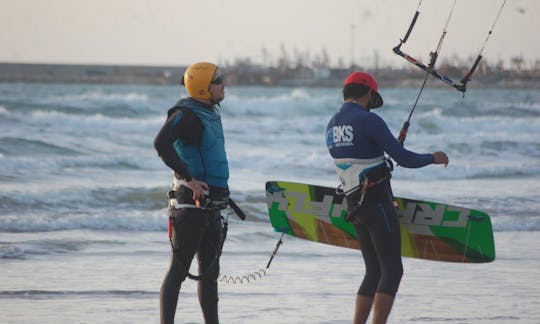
(182,125)
(385,139)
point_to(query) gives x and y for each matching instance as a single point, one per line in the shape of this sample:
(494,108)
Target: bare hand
(198,188)
(440,158)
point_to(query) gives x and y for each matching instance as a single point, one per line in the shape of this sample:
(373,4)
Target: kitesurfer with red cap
(357,140)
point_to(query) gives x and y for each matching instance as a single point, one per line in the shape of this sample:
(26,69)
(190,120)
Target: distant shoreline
(255,75)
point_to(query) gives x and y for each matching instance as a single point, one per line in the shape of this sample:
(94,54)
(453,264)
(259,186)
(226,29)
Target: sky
(180,32)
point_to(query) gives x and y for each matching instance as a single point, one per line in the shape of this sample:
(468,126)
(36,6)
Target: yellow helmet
(197,80)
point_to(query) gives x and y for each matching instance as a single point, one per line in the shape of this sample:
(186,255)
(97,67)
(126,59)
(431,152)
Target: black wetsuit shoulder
(182,124)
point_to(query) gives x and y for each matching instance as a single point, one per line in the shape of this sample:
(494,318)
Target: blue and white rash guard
(357,140)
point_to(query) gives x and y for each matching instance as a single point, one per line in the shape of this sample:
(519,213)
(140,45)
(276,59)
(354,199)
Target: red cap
(367,80)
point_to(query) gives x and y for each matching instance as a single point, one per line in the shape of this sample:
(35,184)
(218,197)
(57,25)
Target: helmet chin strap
(214,102)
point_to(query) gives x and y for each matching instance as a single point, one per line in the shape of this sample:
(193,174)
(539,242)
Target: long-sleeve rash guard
(189,129)
(354,133)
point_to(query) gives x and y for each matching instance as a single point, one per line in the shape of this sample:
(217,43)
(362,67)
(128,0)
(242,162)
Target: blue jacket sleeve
(385,139)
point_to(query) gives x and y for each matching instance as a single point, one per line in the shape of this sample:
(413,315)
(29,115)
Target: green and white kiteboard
(429,230)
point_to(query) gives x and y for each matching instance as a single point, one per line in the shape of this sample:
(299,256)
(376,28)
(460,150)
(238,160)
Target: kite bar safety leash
(225,221)
(208,204)
(255,275)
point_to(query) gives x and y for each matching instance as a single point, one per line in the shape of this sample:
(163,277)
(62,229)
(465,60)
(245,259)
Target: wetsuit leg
(187,234)
(209,266)
(388,246)
(371,262)
(380,240)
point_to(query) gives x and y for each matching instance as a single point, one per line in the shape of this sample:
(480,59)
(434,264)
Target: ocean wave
(146,210)
(81,156)
(100,220)
(21,249)
(529,223)
(62,294)
(23,166)
(14,146)
(94,96)
(9,251)
(280,102)
(81,199)
(462,170)
(95,120)
(125,209)
(80,100)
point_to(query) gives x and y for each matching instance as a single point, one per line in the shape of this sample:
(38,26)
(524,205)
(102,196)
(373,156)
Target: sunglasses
(218,80)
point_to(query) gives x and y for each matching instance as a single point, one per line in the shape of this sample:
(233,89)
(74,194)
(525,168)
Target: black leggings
(378,231)
(194,231)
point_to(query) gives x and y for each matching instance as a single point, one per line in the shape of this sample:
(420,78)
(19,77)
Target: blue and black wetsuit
(192,144)
(358,139)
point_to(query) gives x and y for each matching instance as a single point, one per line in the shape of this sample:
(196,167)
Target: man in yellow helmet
(192,144)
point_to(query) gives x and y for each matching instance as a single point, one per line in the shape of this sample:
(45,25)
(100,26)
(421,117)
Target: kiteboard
(429,230)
